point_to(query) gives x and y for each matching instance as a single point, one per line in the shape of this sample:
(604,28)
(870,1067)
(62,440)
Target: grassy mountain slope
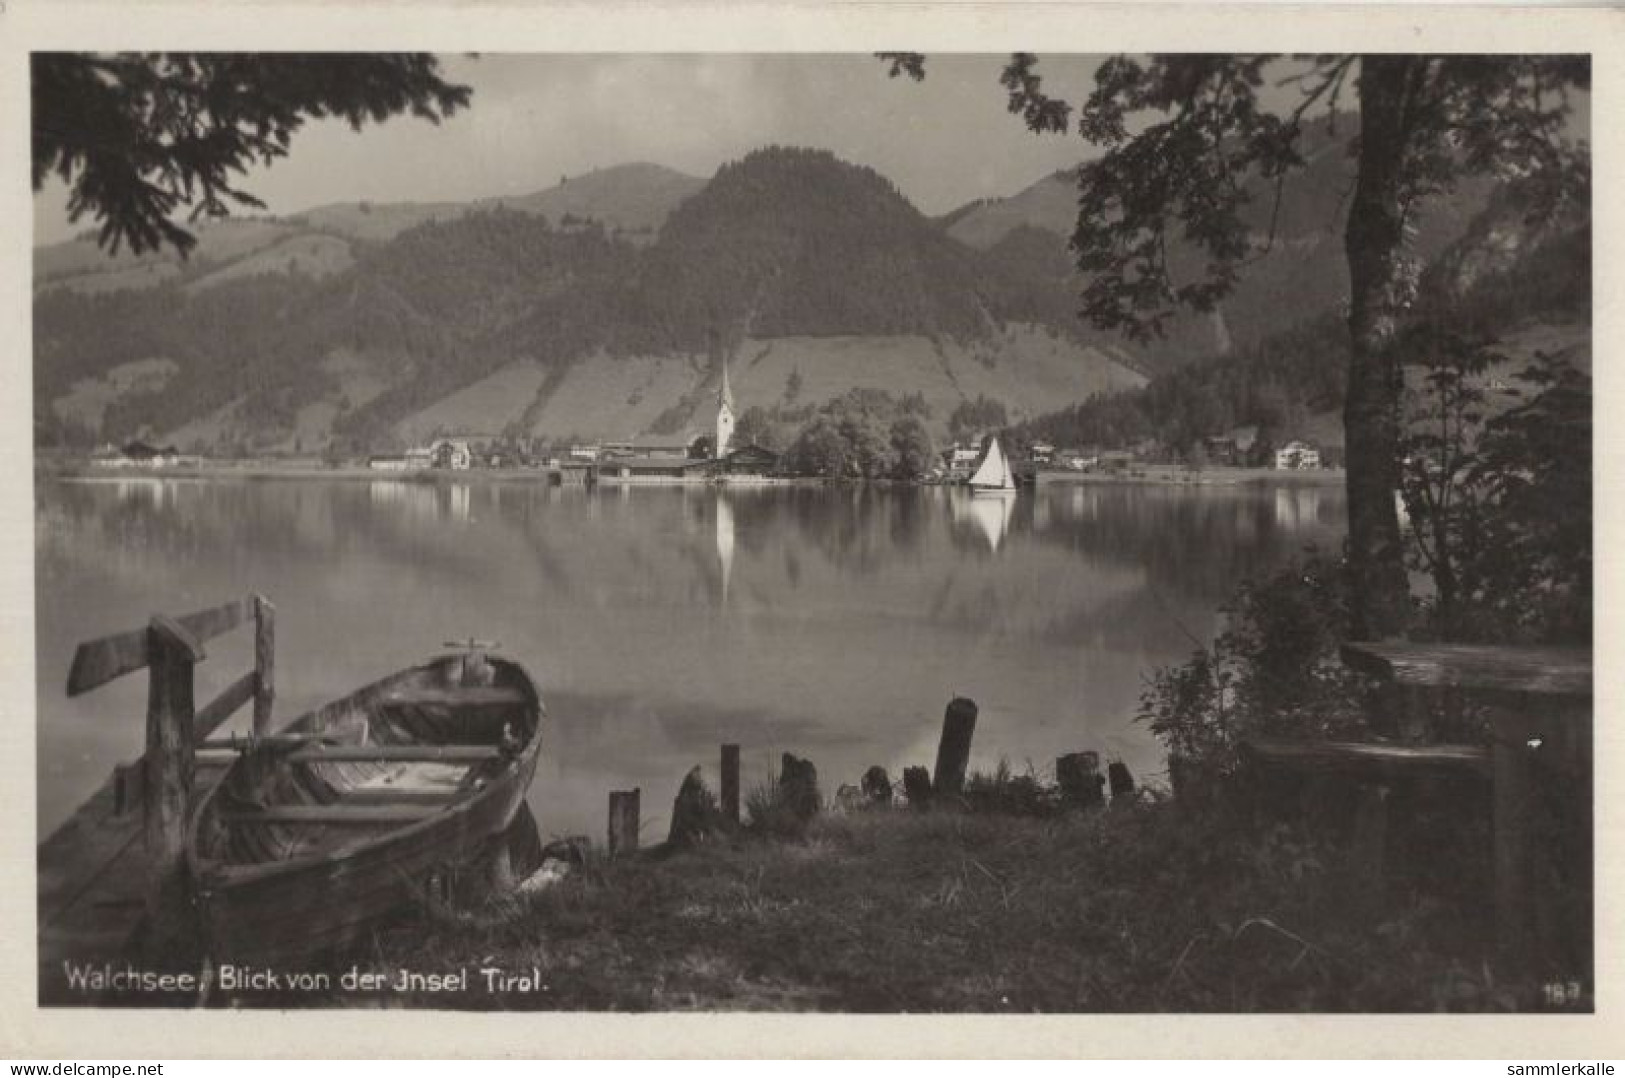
(789,260)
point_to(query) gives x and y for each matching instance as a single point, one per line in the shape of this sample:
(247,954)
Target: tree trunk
(1374,243)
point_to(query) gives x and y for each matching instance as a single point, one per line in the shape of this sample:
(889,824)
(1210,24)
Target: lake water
(662,622)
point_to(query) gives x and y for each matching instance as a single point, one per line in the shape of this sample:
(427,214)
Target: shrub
(1274,671)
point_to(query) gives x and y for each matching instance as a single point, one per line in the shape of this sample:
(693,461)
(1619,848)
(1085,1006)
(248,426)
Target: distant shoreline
(1145,475)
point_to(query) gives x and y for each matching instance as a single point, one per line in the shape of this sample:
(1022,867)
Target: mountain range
(605,306)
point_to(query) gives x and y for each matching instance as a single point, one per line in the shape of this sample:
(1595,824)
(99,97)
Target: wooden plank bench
(1370,759)
(1541,711)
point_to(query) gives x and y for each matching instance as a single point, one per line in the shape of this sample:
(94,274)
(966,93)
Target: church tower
(725,414)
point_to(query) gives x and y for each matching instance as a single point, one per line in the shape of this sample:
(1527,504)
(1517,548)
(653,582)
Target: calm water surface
(661,622)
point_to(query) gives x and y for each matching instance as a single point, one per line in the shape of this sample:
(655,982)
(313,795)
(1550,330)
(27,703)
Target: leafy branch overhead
(1185,136)
(138,137)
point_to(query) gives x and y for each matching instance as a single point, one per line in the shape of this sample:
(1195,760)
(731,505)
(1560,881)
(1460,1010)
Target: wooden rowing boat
(343,816)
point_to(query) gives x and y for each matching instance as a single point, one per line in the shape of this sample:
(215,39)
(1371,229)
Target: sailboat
(994,476)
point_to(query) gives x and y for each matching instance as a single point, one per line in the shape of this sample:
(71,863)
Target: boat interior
(391,755)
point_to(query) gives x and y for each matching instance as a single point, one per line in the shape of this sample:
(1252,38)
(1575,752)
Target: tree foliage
(865,434)
(137,137)
(1500,504)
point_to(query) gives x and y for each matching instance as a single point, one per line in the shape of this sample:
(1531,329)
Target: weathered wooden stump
(1122,781)
(917,786)
(953,751)
(730,783)
(623,821)
(798,787)
(877,786)
(694,814)
(1082,784)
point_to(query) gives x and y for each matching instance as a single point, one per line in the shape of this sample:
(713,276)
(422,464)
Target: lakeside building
(451,452)
(137,454)
(646,449)
(1297,456)
(960,460)
(657,462)
(747,462)
(1233,448)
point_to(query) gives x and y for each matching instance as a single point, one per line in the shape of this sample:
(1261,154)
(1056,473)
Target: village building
(748,461)
(1234,447)
(1297,455)
(646,449)
(137,454)
(454,453)
(960,460)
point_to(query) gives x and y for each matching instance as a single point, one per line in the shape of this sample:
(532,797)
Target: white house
(1297,455)
(452,453)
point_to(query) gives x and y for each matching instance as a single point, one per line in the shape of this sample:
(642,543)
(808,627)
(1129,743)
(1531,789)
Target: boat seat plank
(455,696)
(449,754)
(402,795)
(331,814)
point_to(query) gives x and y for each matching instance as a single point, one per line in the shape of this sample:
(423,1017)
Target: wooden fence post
(730,783)
(264,664)
(623,821)
(167,792)
(1078,775)
(953,751)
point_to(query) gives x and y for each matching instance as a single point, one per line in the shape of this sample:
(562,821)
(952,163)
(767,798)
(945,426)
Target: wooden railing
(169,648)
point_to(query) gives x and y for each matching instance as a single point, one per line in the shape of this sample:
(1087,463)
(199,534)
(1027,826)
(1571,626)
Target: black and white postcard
(699,512)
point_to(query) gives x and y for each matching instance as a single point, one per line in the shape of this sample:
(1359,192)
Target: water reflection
(725,542)
(988,515)
(663,621)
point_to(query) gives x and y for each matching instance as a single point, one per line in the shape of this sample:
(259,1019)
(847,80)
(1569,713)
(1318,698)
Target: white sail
(994,474)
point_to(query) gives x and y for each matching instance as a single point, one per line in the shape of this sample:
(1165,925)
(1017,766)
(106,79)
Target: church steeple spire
(725,412)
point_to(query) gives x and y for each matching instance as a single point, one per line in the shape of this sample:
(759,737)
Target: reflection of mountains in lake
(684,544)
(836,620)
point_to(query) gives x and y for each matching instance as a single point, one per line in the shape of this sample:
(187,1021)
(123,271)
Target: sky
(535,118)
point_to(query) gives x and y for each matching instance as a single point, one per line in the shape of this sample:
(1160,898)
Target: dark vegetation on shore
(1154,905)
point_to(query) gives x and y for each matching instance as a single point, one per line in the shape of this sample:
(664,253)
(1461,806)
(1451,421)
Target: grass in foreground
(1149,908)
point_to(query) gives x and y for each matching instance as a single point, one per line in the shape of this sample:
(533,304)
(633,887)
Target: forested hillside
(784,245)
(352,324)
